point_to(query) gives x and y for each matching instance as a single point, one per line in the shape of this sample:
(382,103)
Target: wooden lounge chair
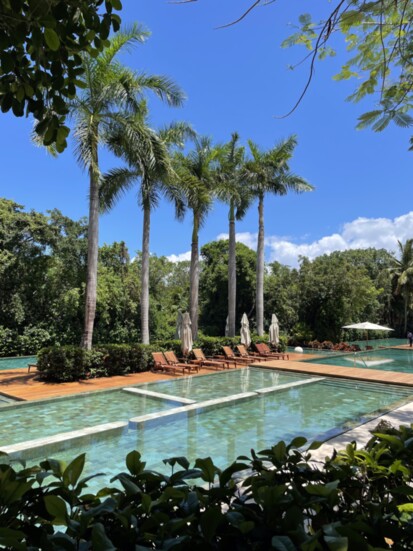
(243,352)
(160,364)
(265,352)
(31,366)
(213,363)
(230,355)
(173,360)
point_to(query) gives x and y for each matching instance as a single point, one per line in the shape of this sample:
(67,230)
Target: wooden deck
(360,374)
(21,385)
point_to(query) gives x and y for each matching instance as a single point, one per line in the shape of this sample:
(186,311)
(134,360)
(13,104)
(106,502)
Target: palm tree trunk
(92,246)
(232,274)
(260,268)
(145,274)
(194,278)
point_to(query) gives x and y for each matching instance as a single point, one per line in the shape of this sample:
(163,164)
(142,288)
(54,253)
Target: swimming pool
(316,411)
(30,420)
(224,383)
(17,361)
(383,359)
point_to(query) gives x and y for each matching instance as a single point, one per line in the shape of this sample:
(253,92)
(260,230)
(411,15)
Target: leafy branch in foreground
(275,499)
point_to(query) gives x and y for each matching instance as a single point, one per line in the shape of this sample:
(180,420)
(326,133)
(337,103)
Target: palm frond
(114,184)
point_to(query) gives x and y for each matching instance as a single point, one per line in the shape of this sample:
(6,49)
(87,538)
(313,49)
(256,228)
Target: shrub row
(358,500)
(72,363)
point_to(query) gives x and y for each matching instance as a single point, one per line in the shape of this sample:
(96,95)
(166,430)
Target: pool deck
(360,374)
(21,385)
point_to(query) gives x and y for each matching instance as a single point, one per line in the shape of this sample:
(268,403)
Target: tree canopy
(40,63)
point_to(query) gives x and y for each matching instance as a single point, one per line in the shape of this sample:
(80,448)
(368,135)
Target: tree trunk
(194,278)
(92,246)
(260,268)
(232,274)
(406,303)
(145,274)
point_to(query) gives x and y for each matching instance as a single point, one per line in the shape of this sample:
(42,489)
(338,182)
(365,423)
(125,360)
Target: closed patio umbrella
(186,334)
(178,327)
(367,326)
(274,331)
(227,327)
(245,331)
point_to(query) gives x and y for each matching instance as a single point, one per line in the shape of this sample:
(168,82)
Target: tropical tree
(149,163)
(196,174)
(232,190)
(269,172)
(111,94)
(402,273)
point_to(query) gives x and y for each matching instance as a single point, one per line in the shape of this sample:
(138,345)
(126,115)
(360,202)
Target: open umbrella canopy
(245,331)
(274,331)
(367,326)
(186,334)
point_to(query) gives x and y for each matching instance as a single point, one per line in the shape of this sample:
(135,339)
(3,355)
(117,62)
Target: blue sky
(237,79)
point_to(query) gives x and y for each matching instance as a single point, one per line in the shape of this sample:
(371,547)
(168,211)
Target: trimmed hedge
(72,363)
(357,500)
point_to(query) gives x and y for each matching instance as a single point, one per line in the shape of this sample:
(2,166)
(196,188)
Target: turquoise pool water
(383,359)
(18,361)
(224,383)
(318,410)
(376,343)
(27,421)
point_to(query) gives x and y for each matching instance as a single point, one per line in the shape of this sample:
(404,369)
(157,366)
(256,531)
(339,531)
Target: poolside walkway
(361,374)
(18,384)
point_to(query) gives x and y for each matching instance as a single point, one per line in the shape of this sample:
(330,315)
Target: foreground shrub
(276,499)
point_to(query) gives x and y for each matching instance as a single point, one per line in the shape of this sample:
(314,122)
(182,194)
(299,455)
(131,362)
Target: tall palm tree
(402,272)
(111,92)
(269,172)
(148,157)
(232,190)
(196,174)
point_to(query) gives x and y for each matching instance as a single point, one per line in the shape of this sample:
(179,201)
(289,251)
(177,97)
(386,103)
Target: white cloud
(361,233)
(247,238)
(179,257)
(380,233)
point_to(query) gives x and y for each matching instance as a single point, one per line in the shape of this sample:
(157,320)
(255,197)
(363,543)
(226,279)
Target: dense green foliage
(276,499)
(42,287)
(40,62)
(73,363)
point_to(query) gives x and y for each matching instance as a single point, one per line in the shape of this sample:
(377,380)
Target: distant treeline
(42,286)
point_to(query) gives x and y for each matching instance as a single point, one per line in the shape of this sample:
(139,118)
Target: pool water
(382,359)
(316,411)
(28,421)
(18,361)
(224,383)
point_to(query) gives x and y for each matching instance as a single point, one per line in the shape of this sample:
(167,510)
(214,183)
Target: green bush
(357,500)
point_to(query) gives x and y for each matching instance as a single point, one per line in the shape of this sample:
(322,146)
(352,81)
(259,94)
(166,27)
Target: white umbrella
(367,326)
(186,334)
(227,327)
(245,331)
(274,331)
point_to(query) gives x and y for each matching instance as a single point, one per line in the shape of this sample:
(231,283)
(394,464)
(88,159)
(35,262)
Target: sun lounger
(31,366)
(173,360)
(160,364)
(230,355)
(213,363)
(243,352)
(265,352)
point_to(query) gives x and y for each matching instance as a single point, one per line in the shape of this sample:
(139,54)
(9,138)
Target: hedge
(72,363)
(357,500)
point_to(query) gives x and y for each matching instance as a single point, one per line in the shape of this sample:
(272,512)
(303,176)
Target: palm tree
(232,190)
(147,154)
(269,172)
(402,272)
(111,92)
(196,174)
